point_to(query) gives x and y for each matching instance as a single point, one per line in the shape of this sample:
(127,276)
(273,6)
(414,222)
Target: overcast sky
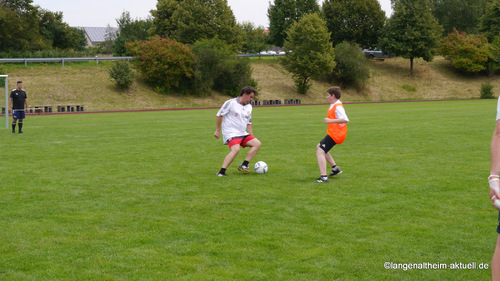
(100,13)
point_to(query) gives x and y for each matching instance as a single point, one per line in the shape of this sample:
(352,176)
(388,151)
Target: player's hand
(217,134)
(326,120)
(494,192)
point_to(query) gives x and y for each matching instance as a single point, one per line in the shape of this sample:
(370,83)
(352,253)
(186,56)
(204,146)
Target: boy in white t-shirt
(494,187)
(235,119)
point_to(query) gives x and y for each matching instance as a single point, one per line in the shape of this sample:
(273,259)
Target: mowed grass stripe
(133,196)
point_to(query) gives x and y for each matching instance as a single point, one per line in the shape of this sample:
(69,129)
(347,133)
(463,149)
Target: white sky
(100,13)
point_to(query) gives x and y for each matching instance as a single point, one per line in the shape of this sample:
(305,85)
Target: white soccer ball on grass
(260,167)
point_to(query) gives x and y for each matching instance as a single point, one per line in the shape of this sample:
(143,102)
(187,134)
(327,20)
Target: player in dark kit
(18,99)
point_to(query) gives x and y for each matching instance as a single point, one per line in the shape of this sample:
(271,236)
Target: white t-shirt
(235,119)
(498,109)
(339,111)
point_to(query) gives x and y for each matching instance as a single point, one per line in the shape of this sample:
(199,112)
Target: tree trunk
(411,65)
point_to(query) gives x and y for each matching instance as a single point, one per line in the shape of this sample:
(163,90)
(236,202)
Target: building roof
(98,34)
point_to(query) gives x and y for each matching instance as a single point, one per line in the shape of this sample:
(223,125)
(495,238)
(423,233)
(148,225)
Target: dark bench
(293,101)
(271,102)
(70,108)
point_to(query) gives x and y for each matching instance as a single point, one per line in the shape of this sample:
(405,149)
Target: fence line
(63,60)
(97,59)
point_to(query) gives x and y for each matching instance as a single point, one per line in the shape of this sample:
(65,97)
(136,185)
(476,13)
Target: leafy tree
(209,55)
(163,63)
(412,31)
(350,66)
(254,38)
(18,5)
(28,28)
(495,51)
(218,68)
(283,13)
(462,15)
(58,33)
(490,22)
(310,52)
(19,26)
(360,21)
(130,30)
(187,21)
(466,52)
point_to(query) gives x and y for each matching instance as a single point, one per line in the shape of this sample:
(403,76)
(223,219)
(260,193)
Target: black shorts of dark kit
(327,143)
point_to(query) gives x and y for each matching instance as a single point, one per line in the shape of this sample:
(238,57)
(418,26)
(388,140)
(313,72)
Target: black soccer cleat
(321,180)
(219,174)
(244,169)
(335,172)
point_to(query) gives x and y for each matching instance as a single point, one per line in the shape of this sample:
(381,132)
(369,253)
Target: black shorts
(327,143)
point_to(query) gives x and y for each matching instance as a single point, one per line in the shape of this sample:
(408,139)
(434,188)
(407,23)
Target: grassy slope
(90,85)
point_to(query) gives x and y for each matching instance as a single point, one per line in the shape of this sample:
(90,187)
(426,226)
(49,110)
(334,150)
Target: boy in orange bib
(337,130)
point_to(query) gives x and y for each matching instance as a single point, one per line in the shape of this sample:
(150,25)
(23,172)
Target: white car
(375,53)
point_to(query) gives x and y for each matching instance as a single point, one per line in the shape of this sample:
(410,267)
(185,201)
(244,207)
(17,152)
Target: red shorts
(240,140)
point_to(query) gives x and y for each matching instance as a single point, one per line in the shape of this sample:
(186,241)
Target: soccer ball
(260,167)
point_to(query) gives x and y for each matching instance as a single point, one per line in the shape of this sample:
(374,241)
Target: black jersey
(18,98)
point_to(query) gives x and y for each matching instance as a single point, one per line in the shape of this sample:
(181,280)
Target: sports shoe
(243,169)
(320,180)
(335,172)
(219,174)
(13,131)
(21,132)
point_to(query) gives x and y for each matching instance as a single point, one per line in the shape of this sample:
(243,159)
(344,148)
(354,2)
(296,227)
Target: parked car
(376,53)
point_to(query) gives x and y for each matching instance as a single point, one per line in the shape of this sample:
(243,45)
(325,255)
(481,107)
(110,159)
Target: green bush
(350,69)
(487,91)
(234,74)
(468,53)
(218,68)
(163,63)
(122,74)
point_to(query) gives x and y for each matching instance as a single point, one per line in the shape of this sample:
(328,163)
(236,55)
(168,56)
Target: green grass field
(133,196)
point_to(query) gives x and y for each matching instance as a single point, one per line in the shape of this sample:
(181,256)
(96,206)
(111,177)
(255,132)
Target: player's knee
(258,144)
(319,150)
(235,148)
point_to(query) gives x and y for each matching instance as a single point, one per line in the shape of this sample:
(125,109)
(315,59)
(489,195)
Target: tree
(462,15)
(350,68)
(187,21)
(490,22)
(218,68)
(130,30)
(412,31)
(163,63)
(283,13)
(254,38)
(359,22)
(19,26)
(59,34)
(310,52)
(24,27)
(466,52)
